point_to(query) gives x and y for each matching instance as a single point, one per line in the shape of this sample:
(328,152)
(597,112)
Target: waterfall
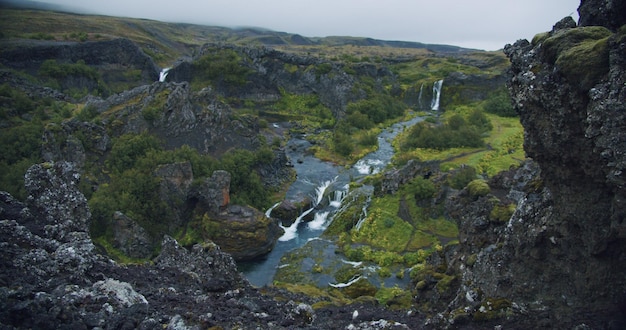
(338,195)
(419,98)
(269,211)
(434,104)
(363,216)
(319,221)
(321,189)
(163,74)
(343,285)
(291,232)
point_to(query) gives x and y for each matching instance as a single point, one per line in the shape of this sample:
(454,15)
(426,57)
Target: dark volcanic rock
(559,259)
(54,200)
(607,13)
(130,238)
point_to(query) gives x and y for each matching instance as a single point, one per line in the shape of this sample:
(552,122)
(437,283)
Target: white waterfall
(434,104)
(291,232)
(269,211)
(163,74)
(363,216)
(337,196)
(319,221)
(419,98)
(343,285)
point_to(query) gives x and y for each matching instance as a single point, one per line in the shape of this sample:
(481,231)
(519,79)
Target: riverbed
(318,180)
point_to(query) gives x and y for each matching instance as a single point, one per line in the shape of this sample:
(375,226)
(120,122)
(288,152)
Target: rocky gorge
(554,261)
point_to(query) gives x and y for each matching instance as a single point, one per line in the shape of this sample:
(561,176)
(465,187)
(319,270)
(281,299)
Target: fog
(481,24)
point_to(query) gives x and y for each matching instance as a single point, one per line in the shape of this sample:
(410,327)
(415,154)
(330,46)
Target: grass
(504,147)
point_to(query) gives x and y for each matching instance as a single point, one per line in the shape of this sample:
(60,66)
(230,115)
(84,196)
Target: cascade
(269,211)
(318,221)
(163,74)
(363,213)
(343,285)
(291,232)
(419,98)
(337,197)
(434,104)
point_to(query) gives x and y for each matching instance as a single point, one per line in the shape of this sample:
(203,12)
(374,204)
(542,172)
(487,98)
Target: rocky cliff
(115,60)
(558,260)
(272,72)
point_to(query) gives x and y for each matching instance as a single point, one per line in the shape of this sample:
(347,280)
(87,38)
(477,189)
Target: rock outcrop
(273,72)
(558,260)
(242,231)
(112,57)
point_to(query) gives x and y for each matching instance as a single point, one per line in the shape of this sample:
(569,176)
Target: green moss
(539,38)
(471,260)
(445,282)
(502,213)
(581,54)
(478,188)
(585,63)
(394,298)
(492,308)
(116,254)
(566,39)
(360,288)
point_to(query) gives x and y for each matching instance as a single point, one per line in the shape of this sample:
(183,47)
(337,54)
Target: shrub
(129,148)
(499,103)
(478,119)
(463,176)
(420,188)
(425,135)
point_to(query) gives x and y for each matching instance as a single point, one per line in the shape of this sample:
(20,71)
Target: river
(317,180)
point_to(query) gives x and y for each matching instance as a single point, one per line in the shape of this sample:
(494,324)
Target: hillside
(141,162)
(166,42)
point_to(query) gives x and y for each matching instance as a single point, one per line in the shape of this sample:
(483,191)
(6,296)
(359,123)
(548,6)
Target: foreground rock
(52,277)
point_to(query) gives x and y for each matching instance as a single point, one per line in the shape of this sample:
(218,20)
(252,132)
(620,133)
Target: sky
(480,24)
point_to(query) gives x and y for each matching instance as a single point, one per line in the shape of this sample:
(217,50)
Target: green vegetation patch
(219,67)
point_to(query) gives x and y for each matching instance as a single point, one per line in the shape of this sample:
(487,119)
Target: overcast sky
(482,24)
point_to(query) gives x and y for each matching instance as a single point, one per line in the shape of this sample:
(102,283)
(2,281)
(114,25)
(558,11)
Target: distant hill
(165,42)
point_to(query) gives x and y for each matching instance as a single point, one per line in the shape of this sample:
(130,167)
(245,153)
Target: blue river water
(316,180)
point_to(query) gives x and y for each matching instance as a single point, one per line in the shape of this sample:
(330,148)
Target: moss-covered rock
(478,188)
(581,54)
(360,288)
(492,308)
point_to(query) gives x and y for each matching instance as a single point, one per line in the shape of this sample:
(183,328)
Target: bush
(499,103)
(420,188)
(463,176)
(425,135)
(377,109)
(342,144)
(129,148)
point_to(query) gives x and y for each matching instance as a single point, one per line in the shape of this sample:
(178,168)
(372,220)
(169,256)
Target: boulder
(54,199)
